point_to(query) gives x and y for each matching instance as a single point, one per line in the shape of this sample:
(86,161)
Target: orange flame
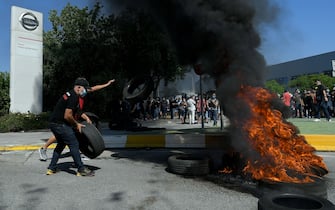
(283,153)
(226,170)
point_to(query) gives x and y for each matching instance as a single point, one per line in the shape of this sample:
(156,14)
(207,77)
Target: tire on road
(189,165)
(91,143)
(317,188)
(292,201)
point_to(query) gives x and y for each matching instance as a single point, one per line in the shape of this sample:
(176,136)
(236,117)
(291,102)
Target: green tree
(84,43)
(4,93)
(75,47)
(143,48)
(274,86)
(305,82)
(80,43)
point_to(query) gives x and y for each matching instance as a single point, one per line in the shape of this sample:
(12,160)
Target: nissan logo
(29,21)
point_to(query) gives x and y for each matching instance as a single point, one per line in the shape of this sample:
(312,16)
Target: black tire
(138,89)
(91,143)
(318,171)
(316,188)
(189,165)
(95,119)
(291,201)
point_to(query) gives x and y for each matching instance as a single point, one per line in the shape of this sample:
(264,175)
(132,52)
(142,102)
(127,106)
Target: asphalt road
(125,179)
(132,179)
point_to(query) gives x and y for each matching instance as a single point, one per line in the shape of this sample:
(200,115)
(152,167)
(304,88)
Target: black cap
(82,82)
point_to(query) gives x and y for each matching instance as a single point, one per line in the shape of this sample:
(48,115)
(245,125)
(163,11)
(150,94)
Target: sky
(304,28)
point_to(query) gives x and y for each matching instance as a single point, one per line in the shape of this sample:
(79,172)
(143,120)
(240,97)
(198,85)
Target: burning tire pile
(273,195)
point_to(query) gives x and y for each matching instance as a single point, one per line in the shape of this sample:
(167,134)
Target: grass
(309,126)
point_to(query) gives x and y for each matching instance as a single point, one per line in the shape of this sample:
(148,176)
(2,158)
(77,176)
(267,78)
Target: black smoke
(222,35)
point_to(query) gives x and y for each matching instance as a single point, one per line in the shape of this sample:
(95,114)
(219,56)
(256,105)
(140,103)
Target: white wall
(26,60)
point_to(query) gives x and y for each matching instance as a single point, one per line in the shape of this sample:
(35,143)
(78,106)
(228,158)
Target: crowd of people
(186,108)
(312,103)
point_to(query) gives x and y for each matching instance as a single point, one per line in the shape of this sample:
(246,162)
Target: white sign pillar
(26,61)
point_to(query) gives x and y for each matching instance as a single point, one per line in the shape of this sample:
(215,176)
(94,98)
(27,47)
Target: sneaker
(84,158)
(51,172)
(43,154)
(85,172)
(329,120)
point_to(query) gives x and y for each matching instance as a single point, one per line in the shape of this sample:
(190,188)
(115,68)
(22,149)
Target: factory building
(318,64)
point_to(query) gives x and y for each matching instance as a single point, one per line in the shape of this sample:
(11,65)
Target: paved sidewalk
(150,134)
(162,133)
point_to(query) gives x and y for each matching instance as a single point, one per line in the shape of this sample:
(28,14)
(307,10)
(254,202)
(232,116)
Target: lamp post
(198,71)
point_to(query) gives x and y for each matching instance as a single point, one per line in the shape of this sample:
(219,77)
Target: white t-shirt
(191,104)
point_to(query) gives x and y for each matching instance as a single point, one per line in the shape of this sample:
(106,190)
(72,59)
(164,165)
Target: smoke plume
(221,35)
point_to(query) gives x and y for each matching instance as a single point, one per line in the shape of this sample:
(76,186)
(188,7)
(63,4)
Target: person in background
(156,106)
(315,103)
(182,110)
(137,111)
(173,106)
(298,103)
(329,102)
(322,101)
(148,109)
(308,101)
(287,98)
(201,112)
(191,109)
(332,95)
(213,107)
(43,150)
(164,107)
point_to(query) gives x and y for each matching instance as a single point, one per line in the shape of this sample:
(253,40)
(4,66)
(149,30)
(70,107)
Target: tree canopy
(303,82)
(84,43)
(274,86)
(306,82)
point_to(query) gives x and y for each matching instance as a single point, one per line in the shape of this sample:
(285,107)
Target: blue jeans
(156,113)
(65,135)
(322,105)
(213,115)
(172,110)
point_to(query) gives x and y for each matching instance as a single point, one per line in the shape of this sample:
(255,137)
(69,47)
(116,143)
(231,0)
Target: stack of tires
(293,201)
(292,196)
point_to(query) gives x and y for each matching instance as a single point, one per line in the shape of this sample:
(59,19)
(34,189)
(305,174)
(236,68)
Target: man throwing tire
(64,126)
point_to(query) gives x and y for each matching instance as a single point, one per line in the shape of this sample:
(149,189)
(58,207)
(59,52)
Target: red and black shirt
(69,100)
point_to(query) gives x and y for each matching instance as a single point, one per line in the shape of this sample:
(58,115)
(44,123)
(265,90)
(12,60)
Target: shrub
(14,122)
(4,93)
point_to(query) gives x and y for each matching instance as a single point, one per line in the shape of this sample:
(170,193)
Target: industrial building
(284,72)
